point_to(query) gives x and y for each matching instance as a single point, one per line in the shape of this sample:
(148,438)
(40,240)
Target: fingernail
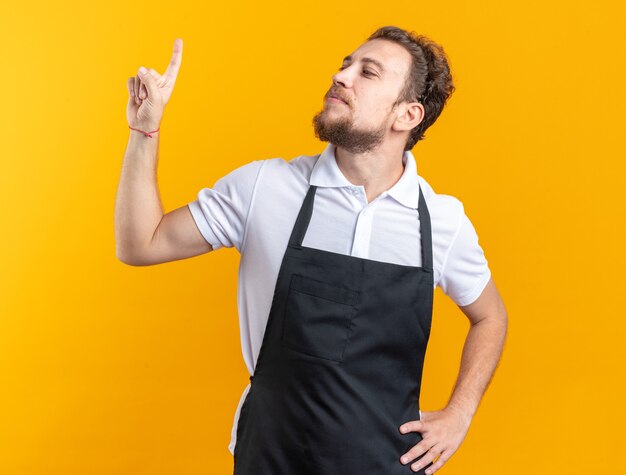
(142,70)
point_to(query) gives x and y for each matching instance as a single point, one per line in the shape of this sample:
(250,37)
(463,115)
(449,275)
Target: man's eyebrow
(368,60)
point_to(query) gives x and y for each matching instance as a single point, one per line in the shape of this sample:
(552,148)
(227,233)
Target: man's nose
(342,77)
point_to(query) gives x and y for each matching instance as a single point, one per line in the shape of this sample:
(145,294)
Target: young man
(340,256)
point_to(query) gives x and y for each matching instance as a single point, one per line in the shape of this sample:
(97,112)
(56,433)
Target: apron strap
(425,232)
(304,216)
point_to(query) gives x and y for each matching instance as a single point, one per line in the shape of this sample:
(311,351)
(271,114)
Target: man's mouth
(336,98)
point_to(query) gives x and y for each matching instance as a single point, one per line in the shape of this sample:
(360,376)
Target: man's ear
(411,114)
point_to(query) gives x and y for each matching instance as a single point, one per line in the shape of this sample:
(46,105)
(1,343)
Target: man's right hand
(150,92)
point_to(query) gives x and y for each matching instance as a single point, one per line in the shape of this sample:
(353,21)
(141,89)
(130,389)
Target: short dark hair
(429,80)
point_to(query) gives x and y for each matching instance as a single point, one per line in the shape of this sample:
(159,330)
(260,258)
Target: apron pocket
(317,317)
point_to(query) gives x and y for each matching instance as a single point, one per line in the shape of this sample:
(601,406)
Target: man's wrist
(140,144)
(144,130)
(464,410)
(139,136)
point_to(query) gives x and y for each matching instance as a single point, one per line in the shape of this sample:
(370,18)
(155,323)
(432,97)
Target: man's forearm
(138,208)
(481,353)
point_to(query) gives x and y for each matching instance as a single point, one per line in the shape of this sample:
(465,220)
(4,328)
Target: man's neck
(376,170)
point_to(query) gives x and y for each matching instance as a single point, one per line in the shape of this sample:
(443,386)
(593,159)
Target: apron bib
(340,365)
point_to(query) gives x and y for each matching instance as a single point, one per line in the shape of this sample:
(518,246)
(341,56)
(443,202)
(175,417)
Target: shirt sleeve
(221,212)
(465,269)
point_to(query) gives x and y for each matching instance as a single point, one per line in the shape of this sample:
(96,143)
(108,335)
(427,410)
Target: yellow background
(111,369)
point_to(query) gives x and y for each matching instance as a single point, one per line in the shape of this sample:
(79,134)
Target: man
(340,255)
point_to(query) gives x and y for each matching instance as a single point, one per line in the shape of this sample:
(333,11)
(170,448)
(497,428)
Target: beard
(341,132)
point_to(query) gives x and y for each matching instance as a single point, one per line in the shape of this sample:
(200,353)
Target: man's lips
(335,98)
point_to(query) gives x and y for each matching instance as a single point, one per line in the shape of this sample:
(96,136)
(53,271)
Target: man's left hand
(442,433)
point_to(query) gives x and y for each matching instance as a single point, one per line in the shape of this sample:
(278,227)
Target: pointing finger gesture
(149,91)
(166,82)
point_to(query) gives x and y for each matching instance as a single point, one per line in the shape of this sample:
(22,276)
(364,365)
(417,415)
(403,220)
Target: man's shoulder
(273,171)
(300,163)
(279,168)
(440,205)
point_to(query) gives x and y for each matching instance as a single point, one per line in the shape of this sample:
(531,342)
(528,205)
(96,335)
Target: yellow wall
(111,369)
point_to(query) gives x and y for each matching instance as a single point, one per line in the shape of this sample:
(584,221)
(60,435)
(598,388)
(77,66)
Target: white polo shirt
(254,209)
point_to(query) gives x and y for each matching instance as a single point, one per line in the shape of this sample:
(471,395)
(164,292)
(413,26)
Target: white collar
(326,173)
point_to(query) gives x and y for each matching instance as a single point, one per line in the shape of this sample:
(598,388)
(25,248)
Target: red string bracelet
(145,133)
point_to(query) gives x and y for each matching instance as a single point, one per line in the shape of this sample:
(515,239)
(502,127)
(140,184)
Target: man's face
(369,90)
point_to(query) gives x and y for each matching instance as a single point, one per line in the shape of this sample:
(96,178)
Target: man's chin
(329,118)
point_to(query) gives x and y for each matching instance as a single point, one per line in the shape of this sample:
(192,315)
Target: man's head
(394,86)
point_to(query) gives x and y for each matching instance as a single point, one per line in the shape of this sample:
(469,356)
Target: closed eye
(366,72)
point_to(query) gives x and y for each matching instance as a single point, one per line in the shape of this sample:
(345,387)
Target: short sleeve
(465,269)
(221,212)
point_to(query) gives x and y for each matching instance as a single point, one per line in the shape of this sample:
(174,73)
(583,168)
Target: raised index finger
(177,56)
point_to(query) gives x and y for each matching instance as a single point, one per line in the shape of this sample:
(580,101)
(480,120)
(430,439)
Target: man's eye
(367,72)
